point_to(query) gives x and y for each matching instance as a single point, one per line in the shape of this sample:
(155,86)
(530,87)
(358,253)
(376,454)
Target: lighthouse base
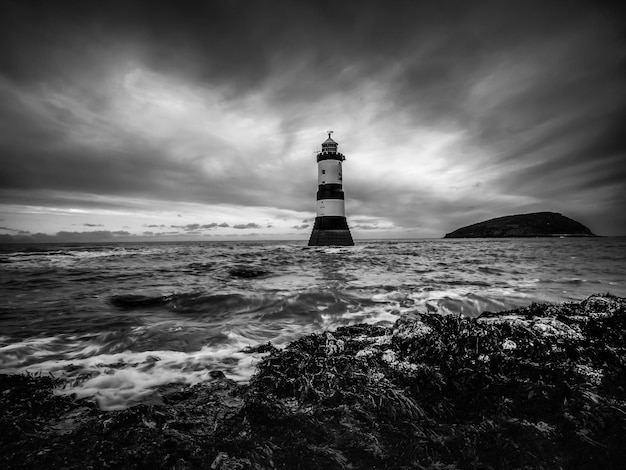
(331,231)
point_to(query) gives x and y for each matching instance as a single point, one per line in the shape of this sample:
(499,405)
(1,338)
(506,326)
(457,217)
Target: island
(542,386)
(536,224)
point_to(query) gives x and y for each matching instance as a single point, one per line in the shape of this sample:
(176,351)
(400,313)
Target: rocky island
(536,224)
(538,387)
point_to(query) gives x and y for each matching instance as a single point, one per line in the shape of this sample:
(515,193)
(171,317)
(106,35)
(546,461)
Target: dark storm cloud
(437,48)
(438,45)
(231,41)
(535,87)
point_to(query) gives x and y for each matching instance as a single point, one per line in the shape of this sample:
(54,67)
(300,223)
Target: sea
(118,320)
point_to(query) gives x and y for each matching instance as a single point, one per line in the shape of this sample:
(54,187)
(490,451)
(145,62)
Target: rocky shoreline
(537,387)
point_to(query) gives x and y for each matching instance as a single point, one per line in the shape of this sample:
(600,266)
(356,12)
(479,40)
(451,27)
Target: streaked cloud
(146,116)
(249,225)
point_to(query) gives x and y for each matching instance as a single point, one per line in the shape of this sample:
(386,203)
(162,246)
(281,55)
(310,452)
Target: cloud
(196,226)
(446,112)
(301,227)
(186,227)
(249,225)
(65,236)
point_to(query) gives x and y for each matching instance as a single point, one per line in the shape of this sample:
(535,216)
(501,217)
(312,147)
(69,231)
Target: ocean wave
(248,272)
(195,303)
(118,320)
(571,280)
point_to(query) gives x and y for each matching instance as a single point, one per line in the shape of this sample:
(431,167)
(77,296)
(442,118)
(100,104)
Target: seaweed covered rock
(537,387)
(179,430)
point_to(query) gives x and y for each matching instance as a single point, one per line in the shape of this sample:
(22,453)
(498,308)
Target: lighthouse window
(323,172)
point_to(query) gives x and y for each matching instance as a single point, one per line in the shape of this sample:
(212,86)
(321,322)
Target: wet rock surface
(538,387)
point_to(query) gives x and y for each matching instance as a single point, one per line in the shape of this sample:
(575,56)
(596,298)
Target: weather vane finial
(329,132)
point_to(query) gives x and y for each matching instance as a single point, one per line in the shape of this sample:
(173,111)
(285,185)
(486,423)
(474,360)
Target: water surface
(119,319)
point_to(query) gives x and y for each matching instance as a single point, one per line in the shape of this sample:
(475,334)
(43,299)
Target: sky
(198,120)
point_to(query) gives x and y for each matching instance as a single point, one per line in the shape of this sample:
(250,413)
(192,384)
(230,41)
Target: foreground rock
(536,224)
(538,387)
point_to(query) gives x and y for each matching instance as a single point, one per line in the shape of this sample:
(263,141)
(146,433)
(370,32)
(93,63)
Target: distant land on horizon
(536,224)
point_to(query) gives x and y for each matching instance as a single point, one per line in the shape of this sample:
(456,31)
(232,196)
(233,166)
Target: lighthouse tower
(331,226)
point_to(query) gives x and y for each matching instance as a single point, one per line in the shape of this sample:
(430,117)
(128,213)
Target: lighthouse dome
(329,145)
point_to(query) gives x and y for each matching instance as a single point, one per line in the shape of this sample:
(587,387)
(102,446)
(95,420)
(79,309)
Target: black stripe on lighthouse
(330,222)
(329,193)
(330,187)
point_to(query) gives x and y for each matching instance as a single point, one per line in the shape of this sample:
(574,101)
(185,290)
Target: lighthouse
(331,226)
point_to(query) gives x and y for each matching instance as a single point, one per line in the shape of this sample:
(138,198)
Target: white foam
(390,296)
(117,380)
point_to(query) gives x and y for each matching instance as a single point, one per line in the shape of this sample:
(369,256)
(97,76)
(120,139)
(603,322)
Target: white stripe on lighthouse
(331,207)
(329,172)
